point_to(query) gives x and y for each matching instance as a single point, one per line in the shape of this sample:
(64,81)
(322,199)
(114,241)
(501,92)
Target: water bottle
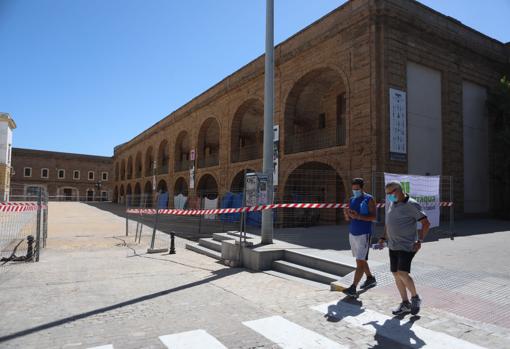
(379,246)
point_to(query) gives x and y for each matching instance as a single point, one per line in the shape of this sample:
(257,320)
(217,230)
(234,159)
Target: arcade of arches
(210,158)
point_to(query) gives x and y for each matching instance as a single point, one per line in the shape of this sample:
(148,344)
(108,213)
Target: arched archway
(116,194)
(149,161)
(147,194)
(137,195)
(162,187)
(247,131)
(182,150)
(129,195)
(314,182)
(123,170)
(130,168)
(163,198)
(209,143)
(237,185)
(181,187)
(207,187)
(116,171)
(315,112)
(138,165)
(162,162)
(122,195)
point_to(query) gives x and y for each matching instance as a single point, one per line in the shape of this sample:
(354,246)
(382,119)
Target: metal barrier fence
(306,185)
(96,198)
(189,227)
(23,227)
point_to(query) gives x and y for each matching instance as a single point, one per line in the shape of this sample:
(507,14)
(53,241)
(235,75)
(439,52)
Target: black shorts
(401,260)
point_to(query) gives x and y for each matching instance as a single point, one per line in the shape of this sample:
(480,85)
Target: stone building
(7,124)
(337,84)
(65,176)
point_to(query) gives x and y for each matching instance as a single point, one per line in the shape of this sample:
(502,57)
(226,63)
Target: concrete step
(193,246)
(210,244)
(230,235)
(320,263)
(304,272)
(222,236)
(286,276)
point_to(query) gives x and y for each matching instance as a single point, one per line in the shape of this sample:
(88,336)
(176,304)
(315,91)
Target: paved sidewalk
(95,287)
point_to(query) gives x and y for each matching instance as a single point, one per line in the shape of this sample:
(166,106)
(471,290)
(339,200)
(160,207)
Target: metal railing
(314,140)
(163,169)
(209,160)
(246,153)
(182,165)
(23,227)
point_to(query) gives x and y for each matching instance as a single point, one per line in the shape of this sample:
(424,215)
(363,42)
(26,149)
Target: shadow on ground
(216,275)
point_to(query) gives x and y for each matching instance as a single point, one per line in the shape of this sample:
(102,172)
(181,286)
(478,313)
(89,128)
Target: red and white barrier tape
(181,212)
(19,206)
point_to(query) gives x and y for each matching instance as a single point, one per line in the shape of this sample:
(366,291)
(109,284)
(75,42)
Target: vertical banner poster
(192,177)
(398,125)
(276,143)
(424,189)
(192,156)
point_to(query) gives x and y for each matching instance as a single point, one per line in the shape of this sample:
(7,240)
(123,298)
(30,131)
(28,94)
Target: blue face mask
(391,197)
(357,193)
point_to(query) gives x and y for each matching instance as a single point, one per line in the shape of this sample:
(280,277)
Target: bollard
(30,247)
(172,243)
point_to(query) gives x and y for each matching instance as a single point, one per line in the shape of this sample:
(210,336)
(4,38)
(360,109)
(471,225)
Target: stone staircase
(295,261)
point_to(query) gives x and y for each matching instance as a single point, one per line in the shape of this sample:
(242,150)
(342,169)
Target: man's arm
(425,226)
(383,238)
(371,217)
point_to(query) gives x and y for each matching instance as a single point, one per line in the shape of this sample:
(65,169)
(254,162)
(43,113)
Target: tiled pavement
(100,289)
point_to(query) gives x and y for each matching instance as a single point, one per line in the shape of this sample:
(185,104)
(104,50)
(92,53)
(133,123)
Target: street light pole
(267,162)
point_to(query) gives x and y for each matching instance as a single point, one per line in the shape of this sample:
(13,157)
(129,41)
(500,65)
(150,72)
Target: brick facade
(338,70)
(67,188)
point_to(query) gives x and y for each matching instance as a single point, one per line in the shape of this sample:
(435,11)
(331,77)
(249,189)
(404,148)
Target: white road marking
(401,331)
(289,335)
(109,346)
(191,340)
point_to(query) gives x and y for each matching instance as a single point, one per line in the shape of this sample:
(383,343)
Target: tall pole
(267,163)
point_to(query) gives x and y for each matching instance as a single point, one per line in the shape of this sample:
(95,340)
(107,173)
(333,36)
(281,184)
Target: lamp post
(267,162)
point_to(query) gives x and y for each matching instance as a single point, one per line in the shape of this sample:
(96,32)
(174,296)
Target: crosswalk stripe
(109,346)
(289,335)
(401,331)
(191,340)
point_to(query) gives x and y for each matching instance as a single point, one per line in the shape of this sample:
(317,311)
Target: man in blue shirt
(361,213)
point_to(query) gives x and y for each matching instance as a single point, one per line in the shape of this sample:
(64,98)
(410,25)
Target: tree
(499,107)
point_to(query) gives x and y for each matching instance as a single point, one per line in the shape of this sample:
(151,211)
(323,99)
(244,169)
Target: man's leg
(361,266)
(401,287)
(404,268)
(367,271)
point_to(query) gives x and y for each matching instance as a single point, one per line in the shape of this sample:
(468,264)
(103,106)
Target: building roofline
(7,117)
(184,109)
(27,151)
(225,79)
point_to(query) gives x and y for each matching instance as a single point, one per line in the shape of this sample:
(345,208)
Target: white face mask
(357,193)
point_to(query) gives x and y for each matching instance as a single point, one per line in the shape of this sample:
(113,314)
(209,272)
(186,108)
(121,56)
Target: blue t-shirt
(360,205)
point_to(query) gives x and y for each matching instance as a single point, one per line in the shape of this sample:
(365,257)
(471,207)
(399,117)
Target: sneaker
(415,305)
(369,282)
(351,291)
(403,308)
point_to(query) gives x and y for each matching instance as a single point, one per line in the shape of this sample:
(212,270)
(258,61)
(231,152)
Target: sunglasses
(391,192)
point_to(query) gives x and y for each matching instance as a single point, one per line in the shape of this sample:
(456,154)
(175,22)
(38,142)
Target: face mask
(391,198)
(356,193)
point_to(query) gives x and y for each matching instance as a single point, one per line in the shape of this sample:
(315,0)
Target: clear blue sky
(86,75)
